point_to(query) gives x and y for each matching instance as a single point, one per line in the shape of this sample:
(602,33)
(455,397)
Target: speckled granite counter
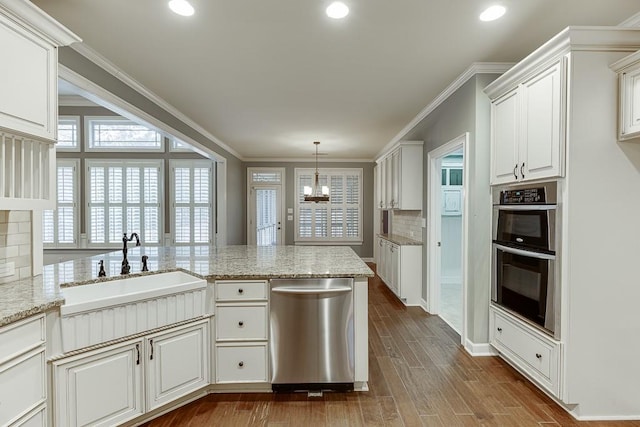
(37,294)
(400,240)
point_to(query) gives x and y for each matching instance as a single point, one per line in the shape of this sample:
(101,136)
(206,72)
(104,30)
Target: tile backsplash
(15,243)
(407,224)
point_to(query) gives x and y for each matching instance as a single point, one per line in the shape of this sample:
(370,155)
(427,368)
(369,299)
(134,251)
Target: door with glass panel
(265,212)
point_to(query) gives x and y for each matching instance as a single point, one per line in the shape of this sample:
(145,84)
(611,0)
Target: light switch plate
(289,217)
(289,210)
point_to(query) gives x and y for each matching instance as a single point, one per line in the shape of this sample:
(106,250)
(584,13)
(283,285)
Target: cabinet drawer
(241,364)
(241,322)
(21,337)
(25,374)
(535,354)
(241,290)
(37,418)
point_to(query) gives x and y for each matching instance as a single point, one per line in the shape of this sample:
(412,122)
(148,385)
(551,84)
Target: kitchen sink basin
(101,312)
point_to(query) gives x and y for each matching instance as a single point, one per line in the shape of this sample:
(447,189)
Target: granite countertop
(38,294)
(400,240)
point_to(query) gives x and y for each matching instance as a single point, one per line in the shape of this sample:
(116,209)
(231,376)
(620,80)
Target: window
(192,195)
(59,226)
(339,220)
(120,134)
(179,146)
(68,128)
(123,196)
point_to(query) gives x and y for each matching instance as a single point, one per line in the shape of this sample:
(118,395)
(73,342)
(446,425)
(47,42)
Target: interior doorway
(447,232)
(265,225)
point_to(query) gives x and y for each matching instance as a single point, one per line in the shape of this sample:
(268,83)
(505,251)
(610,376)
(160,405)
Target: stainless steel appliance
(524,254)
(311,343)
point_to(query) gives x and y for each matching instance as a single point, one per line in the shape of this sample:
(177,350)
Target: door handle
(522,170)
(307,291)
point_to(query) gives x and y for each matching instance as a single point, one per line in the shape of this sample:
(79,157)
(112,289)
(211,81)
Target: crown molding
(75,101)
(44,24)
(633,21)
(475,68)
(112,69)
(601,39)
(304,160)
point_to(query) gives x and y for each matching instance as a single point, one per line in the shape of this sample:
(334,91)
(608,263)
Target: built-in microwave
(524,254)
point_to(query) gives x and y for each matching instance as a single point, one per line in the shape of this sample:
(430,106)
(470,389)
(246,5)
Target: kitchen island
(156,352)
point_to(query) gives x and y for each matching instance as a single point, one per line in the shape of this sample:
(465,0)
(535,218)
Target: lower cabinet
(107,386)
(530,350)
(400,268)
(241,363)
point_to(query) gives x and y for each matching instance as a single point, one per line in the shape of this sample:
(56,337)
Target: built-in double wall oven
(524,254)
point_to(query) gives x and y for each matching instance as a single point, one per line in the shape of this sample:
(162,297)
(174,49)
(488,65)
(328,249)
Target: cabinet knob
(241,364)
(538,355)
(499,329)
(241,323)
(240,291)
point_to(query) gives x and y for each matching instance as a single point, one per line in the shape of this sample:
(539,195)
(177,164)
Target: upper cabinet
(628,70)
(399,184)
(527,139)
(29,104)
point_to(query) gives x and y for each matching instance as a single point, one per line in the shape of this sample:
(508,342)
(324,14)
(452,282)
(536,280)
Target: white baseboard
(482,349)
(606,417)
(424,305)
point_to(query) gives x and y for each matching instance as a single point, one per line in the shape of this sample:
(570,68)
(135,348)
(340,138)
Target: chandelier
(317,193)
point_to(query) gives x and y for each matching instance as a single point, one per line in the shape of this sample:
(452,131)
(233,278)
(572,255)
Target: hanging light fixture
(317,193)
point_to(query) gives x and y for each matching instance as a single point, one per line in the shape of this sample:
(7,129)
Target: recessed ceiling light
(492,13)
(181,7)
(337,10)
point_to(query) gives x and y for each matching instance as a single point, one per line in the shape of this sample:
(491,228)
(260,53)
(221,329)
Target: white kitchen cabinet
(22,369)
(100,388)
(110,385)
(528,125)
(177,363)
(628,70)
(529,349)
(242,332)
(400,268)
(35,418)
(400,185)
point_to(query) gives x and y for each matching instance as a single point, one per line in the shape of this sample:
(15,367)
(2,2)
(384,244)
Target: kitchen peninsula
(215,339)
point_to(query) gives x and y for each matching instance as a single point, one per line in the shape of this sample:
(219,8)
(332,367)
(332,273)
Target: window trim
(350,241)
(87,136)
(75,163)
(76,148)
(193,163)
(159,163)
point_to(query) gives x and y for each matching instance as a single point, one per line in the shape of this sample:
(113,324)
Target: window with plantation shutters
(123,197)
(192,194)
(59,227)
(340,219)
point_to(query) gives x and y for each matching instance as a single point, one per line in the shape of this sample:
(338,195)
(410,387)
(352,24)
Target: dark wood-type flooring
(419,375)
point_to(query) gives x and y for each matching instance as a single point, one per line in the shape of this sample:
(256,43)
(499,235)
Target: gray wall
(466,110)
(236,210)
(364,251)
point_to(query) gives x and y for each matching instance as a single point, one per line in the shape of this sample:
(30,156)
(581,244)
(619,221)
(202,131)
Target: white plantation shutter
(124,198)
(59,226)
(339,220)
(192,188)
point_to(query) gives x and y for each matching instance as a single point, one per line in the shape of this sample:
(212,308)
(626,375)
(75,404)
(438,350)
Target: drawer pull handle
(151,345)
(538,355)
(240,291)
(241,323)
(138,352)
(241,364)
(499,329)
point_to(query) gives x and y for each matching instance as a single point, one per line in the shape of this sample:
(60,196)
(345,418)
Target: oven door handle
(525,207)
(522,252)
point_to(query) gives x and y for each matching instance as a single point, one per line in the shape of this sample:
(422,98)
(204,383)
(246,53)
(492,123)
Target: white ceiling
(270,77)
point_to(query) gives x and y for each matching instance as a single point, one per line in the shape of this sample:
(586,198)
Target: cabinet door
(542,142)
(389,172)
(394,273)
(630,103)
(395,184)
(29,81)
(504,138)
(177,364)
(23,385)
(382,183)
(101,388)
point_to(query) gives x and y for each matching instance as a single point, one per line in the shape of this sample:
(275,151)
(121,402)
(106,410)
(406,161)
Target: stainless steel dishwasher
(311,339)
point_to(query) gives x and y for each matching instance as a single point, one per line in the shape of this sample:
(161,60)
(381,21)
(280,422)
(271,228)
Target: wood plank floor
(419,376)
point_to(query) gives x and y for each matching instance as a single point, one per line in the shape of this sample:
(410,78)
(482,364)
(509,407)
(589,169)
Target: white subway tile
(9,252)
(18,239)
(25,272)
(24,227)
(24,249)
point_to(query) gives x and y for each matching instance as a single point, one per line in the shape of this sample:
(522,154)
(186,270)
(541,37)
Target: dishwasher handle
(310,290)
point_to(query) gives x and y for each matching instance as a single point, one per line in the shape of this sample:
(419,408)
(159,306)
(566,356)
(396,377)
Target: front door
(265,221)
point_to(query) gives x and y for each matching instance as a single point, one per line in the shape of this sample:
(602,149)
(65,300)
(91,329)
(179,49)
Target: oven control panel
(523,196)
